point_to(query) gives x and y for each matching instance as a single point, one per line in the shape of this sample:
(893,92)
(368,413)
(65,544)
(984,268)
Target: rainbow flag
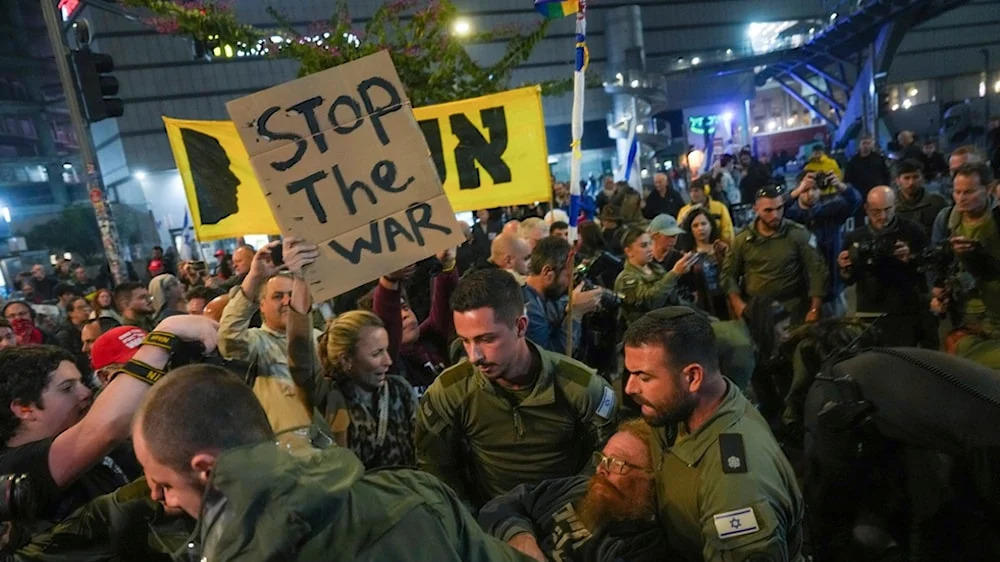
(554,9)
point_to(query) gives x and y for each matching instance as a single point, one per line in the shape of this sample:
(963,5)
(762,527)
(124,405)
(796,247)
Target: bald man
(511,227)
(880,259)
(511,254)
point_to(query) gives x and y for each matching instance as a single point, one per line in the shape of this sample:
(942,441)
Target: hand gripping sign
(344,165)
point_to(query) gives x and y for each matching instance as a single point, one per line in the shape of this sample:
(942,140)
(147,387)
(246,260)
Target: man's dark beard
(605,504)
(679,413)
(554,292)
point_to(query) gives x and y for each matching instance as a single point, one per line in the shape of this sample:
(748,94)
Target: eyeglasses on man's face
(615,466)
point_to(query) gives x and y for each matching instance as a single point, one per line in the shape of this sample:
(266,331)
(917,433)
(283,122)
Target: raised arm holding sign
(344,165)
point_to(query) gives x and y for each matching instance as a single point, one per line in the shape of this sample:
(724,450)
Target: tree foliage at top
(432,62)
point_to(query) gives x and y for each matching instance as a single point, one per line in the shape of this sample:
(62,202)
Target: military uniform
(264,503)
(785,267)
(484,440)
(642,292)
(726,492)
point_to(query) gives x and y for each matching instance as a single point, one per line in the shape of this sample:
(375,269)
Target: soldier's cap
(671,312)
(117,345)
(664,224)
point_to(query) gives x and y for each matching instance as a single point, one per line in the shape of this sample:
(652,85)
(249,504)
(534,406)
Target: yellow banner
(222,191)
(489,151)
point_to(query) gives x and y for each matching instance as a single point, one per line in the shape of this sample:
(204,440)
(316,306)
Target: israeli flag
(633,149)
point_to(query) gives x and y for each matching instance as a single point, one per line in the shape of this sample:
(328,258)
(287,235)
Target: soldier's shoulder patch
(456,374)
(736,523)
(732,453)
(607,404)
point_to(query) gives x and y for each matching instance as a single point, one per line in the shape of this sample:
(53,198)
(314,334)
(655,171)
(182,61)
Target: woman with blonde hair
(369,411)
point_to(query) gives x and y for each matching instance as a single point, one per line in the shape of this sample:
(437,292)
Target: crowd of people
(658,389)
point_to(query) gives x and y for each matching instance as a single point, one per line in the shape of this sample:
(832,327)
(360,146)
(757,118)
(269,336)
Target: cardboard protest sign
(221,189)
(344,165)
(490,151)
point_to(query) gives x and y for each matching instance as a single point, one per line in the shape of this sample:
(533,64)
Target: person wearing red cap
(53,431)
(112,350)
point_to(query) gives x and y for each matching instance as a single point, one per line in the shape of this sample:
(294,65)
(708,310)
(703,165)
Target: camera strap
(163,340)
(142,371)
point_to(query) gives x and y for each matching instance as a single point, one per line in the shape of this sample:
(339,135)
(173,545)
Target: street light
(462,27)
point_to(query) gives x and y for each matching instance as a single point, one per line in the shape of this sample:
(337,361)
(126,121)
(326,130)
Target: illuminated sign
(68,8)
(700,125)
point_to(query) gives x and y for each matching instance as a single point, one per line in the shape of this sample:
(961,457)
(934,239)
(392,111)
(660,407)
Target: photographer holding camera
(54,434)
(880,258)
(546,296)
(970,289)
(824,212)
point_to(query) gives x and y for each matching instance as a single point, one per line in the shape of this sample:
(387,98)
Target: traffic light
(96,85)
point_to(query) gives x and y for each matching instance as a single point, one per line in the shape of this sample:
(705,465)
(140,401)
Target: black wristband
(163,340)
(146,373)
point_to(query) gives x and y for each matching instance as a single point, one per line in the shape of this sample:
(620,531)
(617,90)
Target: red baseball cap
(220,253)
(117,345)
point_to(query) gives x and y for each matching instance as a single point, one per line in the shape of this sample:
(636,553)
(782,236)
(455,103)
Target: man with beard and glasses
(514,413)
(604,518)
(724,489)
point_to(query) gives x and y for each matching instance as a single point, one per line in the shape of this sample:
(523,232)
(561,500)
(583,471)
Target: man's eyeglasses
(615,466)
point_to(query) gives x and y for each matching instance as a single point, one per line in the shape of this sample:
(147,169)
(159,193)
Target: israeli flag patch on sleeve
(736,523)
(607,403)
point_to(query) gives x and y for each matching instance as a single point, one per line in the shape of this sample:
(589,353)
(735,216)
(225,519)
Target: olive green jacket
(784,266)
(124,525)
(642,292)
(727,492)
(482,442)
(266,504)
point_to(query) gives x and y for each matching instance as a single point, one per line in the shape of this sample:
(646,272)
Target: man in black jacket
(755,176)
(880,258)
(663,200)
(606,517)
(867,168)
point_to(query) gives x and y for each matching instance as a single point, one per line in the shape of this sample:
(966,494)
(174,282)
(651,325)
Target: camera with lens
(822,180)
(18,498)
(937,260)
(866,253)
(191,352)
(600,272)
(610,300)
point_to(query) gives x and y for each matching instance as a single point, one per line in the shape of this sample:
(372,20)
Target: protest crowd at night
(399,333)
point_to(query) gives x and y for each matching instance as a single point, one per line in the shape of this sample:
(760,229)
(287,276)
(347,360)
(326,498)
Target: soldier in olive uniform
(725,491)
(514,413)
(643,284)
(775,258)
